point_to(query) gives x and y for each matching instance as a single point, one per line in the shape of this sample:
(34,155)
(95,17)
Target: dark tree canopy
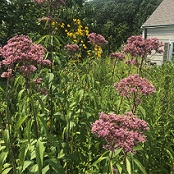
(114,19)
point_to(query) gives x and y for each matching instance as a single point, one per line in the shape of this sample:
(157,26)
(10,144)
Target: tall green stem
(110,165)
(12,154)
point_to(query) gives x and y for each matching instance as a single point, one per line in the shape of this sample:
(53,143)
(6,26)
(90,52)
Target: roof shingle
(163,15)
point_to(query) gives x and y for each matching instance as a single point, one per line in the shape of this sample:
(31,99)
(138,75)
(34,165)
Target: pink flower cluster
(132,62)
(72,48)
(138,46)
(120,131)
(97,39)
(56,1)
(39,1)
(21,51)
(117,55)
(134,84)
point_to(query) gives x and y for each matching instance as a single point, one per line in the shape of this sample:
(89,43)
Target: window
(168,51)
(171,51)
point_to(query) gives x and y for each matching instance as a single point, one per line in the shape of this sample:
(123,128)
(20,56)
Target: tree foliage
(117,20)
(114,19)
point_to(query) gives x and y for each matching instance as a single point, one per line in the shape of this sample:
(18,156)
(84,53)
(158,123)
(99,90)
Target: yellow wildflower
(78,22)
(53,23)
(84,46)
(74,20)
(69,34)
(68,25)
(62,25)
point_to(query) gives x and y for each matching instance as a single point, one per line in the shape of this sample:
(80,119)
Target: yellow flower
(74,36)
(98,54)
(89,52)
(53,23)
(66,31)
(75,41)
(62,25)
(100,48)
(87,32)
(96,49)
(68,25)
(81,41)
(69,34)
(78,22)
(56,28)
(74,20)
(84,46)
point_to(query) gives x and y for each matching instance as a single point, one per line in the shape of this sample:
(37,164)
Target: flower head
(39,1)
(117,55)
(72,48)
(21,51)
(120,131)
(138,46)
(97,39)
(134,84)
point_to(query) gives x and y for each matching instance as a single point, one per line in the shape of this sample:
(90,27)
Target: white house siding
(164,34)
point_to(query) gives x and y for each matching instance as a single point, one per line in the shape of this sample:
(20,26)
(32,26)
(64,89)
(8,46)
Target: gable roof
(163,15)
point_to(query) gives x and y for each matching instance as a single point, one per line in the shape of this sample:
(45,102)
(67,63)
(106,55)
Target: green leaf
(142,110)
(43,124)
(45,169)
(50,77)
(20,94)
(99,160)
(61,154)
(3,157)
(55,164)
(80,95)
(40,149)
(7,170)
(6,137)
(34,169)
(140,166)
(23,151)
(26,165)
(21,121)
(128,166)
(41,39)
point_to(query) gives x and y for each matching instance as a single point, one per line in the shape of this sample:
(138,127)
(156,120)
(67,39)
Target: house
(161,25)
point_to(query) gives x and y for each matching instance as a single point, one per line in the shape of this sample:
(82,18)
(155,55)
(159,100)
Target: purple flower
(21,51)
(38,81)
(72,48)
(117,55)
(120,131)
(7,74)
(134,86)
(138,46)
(39,1)
(97,39)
